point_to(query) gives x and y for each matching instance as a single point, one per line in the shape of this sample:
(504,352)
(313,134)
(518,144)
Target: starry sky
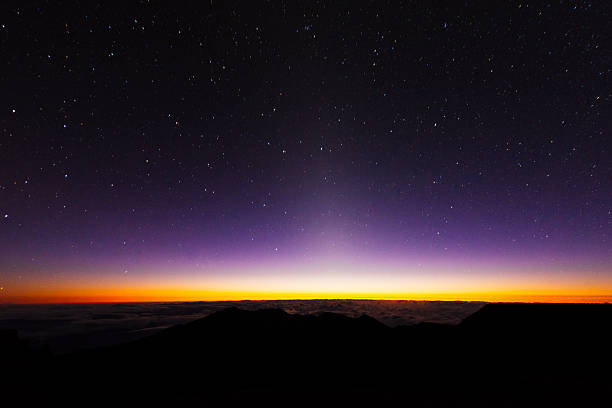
(277,149)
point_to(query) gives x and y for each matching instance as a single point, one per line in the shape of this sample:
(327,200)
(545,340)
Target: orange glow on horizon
(180,295)
(347,282)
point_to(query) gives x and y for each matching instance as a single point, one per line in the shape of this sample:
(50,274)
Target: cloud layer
(79,326)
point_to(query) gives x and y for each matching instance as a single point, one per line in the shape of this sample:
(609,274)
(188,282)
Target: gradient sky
(443,150)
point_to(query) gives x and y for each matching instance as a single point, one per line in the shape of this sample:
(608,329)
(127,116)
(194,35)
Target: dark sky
(305,147)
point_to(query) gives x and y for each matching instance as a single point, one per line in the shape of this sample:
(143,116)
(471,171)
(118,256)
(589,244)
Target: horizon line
(502,299)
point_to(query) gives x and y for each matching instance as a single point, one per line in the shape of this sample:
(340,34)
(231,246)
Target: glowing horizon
(228,296)
(339,280)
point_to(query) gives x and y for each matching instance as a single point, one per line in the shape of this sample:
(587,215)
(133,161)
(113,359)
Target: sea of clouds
(69,327)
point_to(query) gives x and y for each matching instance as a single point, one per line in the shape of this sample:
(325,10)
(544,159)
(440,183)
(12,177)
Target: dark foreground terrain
(66,328)
(502,355)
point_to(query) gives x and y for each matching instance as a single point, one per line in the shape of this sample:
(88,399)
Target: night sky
(278,149)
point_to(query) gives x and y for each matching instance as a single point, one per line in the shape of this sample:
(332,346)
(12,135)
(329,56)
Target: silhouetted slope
(541,318)
(11,346)
(512,354)
(553,334)
(267,347)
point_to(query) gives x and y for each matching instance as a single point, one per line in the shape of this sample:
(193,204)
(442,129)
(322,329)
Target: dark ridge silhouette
(11,345)
(540,317)
(502,355)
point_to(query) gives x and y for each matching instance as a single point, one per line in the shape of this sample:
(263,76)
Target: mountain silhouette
(502,355)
